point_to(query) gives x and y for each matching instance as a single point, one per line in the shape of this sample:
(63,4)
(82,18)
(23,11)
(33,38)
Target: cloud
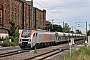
(69,11)
(64,7)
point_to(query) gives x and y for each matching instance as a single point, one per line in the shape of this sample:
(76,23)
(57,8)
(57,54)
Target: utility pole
(63,24)
(75,29)
(72,28)
(52,23)
(86,30)
(32,14)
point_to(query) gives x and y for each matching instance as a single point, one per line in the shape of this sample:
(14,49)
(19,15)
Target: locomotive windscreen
(26,33)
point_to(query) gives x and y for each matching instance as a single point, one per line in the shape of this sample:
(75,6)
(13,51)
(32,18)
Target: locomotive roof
(45,32)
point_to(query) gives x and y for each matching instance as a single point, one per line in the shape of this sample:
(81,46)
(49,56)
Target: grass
(35,50)
(82,54)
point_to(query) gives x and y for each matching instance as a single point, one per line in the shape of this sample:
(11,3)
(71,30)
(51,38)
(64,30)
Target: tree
(66,28)
(55,27)
(13,30)
(89,25)
(88,33)
(78,32)
(72,31)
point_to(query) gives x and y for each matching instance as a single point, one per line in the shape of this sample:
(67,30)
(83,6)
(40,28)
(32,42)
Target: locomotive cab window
(26,33)
(34,34)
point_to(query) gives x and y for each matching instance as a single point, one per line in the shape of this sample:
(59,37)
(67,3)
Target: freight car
(32,38)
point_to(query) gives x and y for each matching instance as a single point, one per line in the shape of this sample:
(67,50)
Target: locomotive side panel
(52,37)
(46,37)
(40,38)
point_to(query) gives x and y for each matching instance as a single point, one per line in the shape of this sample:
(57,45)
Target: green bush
(15,43)
(35,50)
(12,38)
(5,44)
(82,54)
(12,44)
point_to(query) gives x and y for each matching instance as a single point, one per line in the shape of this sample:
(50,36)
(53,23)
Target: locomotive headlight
(20,40)
(30,40)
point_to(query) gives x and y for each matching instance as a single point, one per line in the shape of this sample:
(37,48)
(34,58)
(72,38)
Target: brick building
(1,15)
(12,10)
(44,19)
(20,12)
(26,16)
(40,18)
(32,21)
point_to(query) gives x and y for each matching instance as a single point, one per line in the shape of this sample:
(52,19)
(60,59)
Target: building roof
(3,28)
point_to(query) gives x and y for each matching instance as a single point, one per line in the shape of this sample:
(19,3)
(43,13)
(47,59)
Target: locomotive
(39,38)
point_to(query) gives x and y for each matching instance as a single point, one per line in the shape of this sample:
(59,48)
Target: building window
(12,3)
(15,15)
(12,8)
(15,9)
(5,11)
(0,18)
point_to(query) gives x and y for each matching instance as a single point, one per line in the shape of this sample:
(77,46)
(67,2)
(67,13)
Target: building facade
(40,18)
(26,16)
(1,13)
(20,12)
(44,19)
(12,10)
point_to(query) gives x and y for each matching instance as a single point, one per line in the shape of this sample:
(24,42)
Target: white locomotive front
(25,38)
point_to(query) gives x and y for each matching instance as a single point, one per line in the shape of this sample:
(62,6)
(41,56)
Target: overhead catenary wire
(53,15)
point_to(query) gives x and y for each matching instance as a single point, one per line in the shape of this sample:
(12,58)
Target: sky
(73,12)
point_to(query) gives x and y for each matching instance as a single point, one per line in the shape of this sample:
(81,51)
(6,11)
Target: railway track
(79,42)
(38,57)
(11,53)
(50,53)
(46,55)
